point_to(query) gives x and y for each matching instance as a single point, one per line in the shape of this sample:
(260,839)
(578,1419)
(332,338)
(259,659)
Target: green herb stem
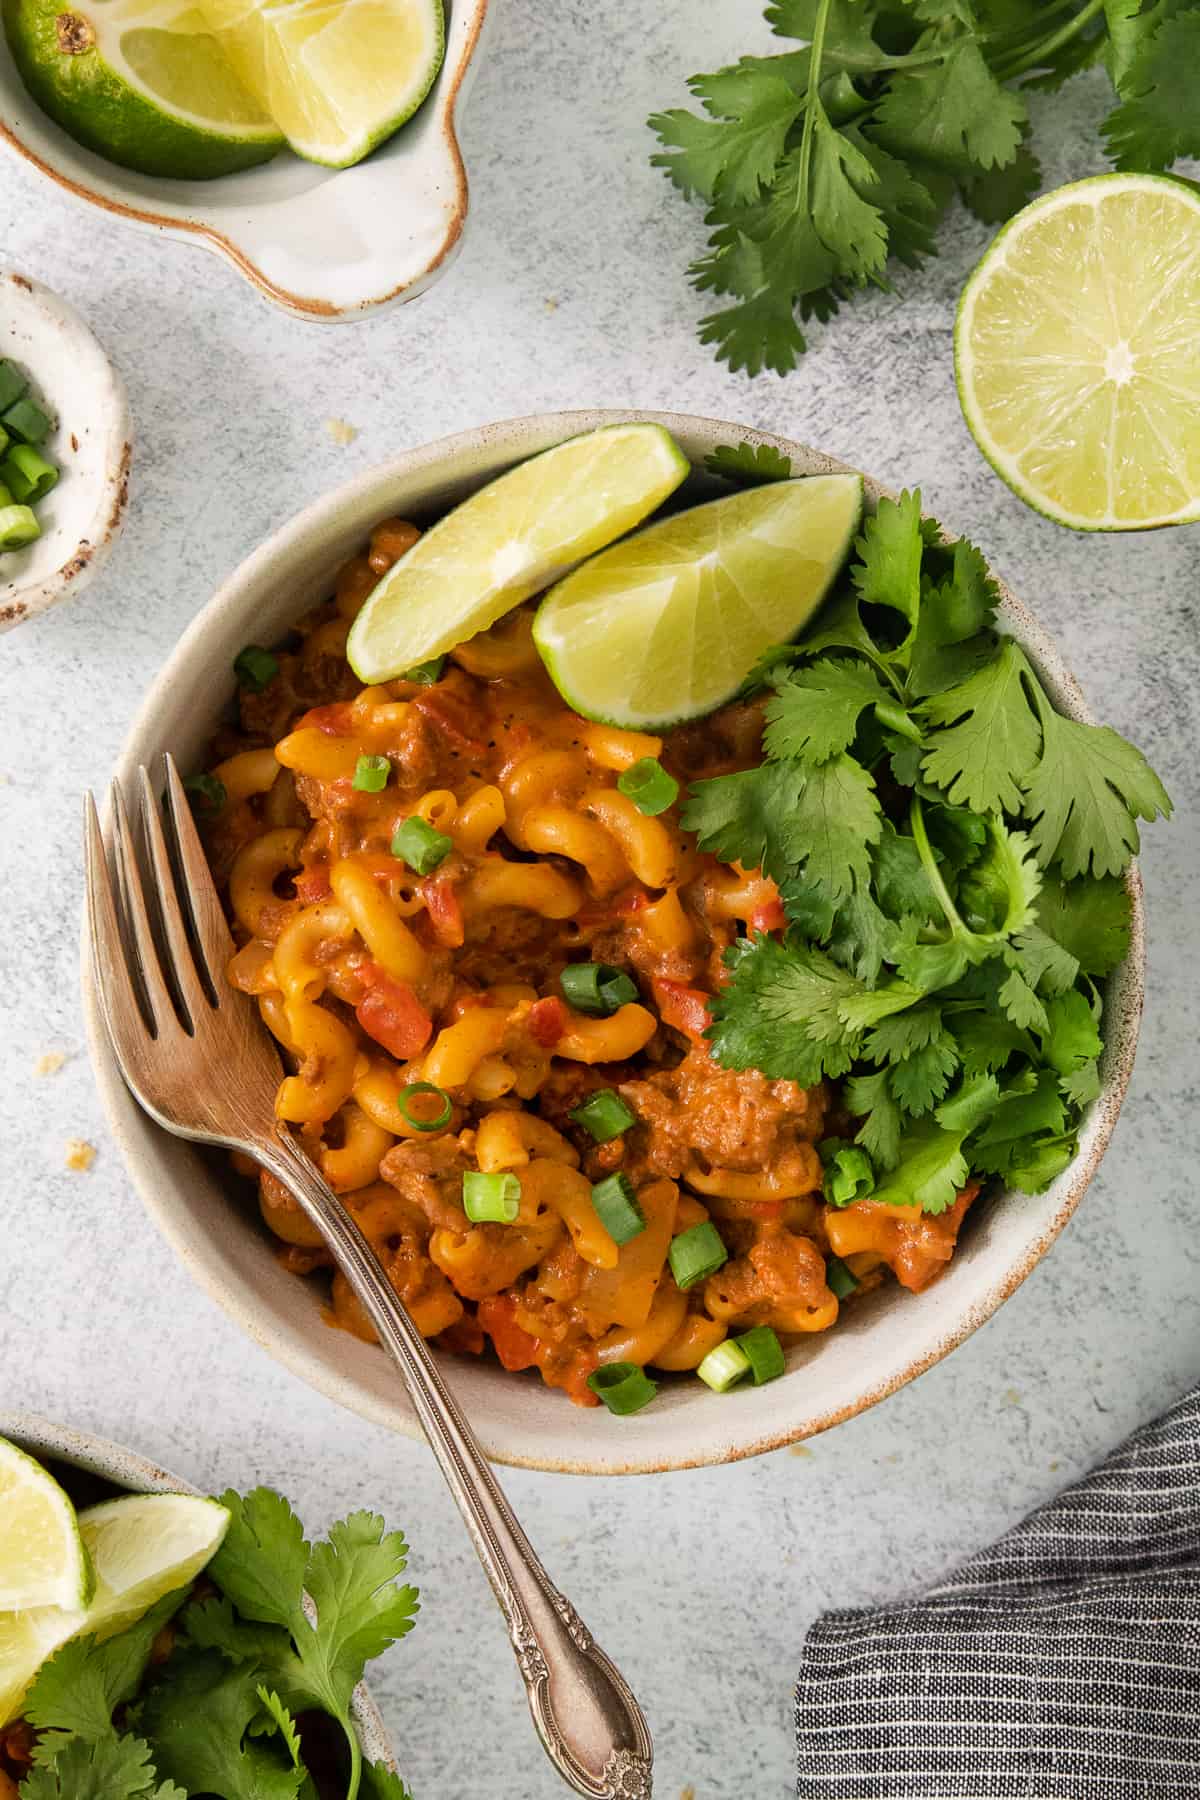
(1005,71)
(813,99)
(916,818)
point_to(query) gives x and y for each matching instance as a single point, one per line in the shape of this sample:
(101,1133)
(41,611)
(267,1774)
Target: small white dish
(327,244)
(73,379)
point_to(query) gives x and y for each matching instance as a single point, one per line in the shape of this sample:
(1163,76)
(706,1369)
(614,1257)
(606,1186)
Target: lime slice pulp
(338,76)
(667,625)
(143,1546)
(142,82)
(42,1558)
(1077,348)
(511,539)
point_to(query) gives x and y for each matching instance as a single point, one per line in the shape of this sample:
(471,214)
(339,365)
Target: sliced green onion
(617,1208)
(26,421)
(255,667)
(696,1253)
(723,1366)
(420,846)
(6,498)
(18,527)
(426,673)
(840,1278)
(12,385)
(849,1176)
(764,1352)
(490,1199)
(604,1114)
(624,1387)
(597,988)
(207,789)
(420,1121)
(371,774)
(26,471)
(649,786)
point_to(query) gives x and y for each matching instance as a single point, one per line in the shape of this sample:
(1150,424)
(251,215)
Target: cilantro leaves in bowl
(948,849)
(259,1673)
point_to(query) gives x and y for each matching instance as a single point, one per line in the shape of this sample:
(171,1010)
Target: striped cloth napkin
(1063,1663)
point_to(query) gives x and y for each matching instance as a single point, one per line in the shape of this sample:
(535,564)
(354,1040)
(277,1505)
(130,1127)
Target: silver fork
(195,1055)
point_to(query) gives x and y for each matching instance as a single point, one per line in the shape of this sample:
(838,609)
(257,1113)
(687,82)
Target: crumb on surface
(799,1450)
(340,431)
(80,1154)
(552,306)
(687,1793)
(1011,1397)
(49,1062)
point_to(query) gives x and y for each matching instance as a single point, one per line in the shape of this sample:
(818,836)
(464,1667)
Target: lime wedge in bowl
(668,624)
(510,540)
(149,88)
(143,1546)
(338,76)
(42,1557)
(1077,348)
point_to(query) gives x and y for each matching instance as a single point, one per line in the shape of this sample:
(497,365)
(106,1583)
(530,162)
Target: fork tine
(133,903)
(110,970)
(212,935)
(188,981)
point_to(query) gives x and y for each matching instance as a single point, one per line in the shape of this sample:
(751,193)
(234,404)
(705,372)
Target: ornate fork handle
(586,1716)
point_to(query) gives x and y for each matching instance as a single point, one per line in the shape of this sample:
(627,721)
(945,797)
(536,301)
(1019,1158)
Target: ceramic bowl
(323,243)
(885,1340)
(126,1470)
(90,444)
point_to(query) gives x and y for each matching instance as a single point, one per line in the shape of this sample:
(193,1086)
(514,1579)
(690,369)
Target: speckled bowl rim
(306,306)
(518,438)
(126,1469)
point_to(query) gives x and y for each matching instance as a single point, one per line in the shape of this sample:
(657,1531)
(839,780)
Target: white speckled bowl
(327,244)
(885,1340)
(126,1469)
(90,443)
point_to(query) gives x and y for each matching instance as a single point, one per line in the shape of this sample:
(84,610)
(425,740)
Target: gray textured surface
(570,292)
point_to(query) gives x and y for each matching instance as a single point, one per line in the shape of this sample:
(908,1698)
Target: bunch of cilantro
(218,1718)
(822,167)
(949,852)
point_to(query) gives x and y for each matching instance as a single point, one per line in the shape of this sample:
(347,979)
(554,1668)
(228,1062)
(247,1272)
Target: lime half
(42,1558)
(667,625)
(338,76)
(143,1546)
(142,82)
(511,539)
(1078,353)
(26,1640)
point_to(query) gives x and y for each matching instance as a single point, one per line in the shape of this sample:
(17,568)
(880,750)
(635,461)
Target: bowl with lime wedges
(313,146)
(713,912)
(120,1583)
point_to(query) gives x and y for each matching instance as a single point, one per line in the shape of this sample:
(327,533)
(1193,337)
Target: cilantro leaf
(850,227)
(919,1081)
(815,712)
(1046,966)
(870,1098)
(261,1563)
(779,1012)
(1022,1115)
(735,153)
(901,883)
(80,1687)
(984,760)
(198,1723)
(954,626)
(379,1783)
(954,113)
(929,1171)
(988,1041)
(849,40)
(1020,1001)
(888,571)
(109,1767)
(361,1611)
(282,1721)
(749,818)
(860,936)
(749,463)
(975,1099)
(994,195)
(1085,793)
(1071,1038)
(1159,118)
(1089,919)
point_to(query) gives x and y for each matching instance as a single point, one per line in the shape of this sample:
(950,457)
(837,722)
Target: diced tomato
(336,720)
(313,884)
(515,1348)
(686,1008)
(574,1381)
(445,913)
(768,917)
(766,1209)
(390,1012)
(445,717)
(465,1337)
(547,1021)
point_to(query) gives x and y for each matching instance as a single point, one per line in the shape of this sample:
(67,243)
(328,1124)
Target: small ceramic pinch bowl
(326,244)
(886,1339)
(91,1469)
(72,378)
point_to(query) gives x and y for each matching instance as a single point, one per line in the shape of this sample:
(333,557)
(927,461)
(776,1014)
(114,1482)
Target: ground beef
(779,1269)
(730,1119)
(430,1175)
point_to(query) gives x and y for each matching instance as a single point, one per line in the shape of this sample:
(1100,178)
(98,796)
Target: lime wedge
(142,1546)
(667,625)
(42,1558)
(510,540)
(338,76)
(142,82)
(26,1640)
(1078,353)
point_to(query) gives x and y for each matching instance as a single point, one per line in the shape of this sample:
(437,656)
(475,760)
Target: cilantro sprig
(822,168)
(948,849)
(218,1717)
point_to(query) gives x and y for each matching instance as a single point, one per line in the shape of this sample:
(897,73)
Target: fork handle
(586,1716)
